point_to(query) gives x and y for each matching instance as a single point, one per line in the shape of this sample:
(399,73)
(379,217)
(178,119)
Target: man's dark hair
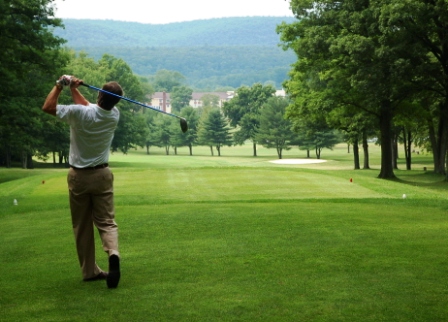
(108,101)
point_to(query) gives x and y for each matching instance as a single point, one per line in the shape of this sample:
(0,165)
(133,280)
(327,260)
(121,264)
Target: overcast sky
(167,11)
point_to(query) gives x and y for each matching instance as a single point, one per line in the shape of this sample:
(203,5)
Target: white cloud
(167,11)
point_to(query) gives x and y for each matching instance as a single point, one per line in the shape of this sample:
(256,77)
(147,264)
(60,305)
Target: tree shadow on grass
(424,179)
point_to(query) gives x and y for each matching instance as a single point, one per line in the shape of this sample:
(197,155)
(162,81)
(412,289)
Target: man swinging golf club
(90,180)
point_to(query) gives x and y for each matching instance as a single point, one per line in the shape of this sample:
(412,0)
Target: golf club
(183,122)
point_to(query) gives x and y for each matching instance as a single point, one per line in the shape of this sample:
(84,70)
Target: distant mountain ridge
(241,31)
(209,53)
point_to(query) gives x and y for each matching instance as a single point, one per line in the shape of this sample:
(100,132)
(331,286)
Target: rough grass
(233,238)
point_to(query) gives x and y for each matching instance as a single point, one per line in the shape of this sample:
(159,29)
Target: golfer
(90,180)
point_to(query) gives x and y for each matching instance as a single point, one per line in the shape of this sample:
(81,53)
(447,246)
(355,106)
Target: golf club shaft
(130,100)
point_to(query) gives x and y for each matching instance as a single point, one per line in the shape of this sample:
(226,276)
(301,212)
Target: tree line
(207,67)
(254,114)
(372,68)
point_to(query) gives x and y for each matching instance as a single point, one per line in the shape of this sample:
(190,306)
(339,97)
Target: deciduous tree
(165,80)
(30,60)
(243,111)
(180,97)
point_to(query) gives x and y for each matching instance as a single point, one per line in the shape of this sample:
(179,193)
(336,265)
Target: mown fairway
(234,238)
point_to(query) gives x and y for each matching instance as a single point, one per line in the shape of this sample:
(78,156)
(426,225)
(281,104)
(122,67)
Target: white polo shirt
(91,132)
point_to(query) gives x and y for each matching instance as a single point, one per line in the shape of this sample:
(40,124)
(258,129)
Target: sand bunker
(298,161)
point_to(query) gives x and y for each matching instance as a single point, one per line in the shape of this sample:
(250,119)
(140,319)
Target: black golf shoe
(114,272)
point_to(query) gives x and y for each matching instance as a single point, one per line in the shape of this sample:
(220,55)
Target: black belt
(99,166)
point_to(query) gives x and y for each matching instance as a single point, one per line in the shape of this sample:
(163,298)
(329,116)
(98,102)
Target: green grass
(234,238)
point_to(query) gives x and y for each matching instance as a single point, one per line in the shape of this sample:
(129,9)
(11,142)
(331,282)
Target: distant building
(162,100)
(222,97)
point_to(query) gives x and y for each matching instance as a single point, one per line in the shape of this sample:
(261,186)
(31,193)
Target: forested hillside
(209,53)
(248,31)
(208,67)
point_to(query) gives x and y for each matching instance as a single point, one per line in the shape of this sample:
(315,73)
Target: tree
(190,137)
(163,132)
(411,128)
(311,111)
(355,125)
(214,130)
(150,138)
(316,134)
(27,41)
(244,109)
(180,97)
(165,80)
(30,62)
(86,68)
(210,100)
(56,138)
(146,86)
(275,130)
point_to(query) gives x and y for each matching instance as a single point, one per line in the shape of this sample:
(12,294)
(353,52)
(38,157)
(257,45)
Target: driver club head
(183,125)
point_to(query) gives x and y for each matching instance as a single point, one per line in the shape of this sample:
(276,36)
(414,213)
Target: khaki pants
(92,203)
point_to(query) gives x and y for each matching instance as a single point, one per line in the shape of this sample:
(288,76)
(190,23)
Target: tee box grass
(233,238)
